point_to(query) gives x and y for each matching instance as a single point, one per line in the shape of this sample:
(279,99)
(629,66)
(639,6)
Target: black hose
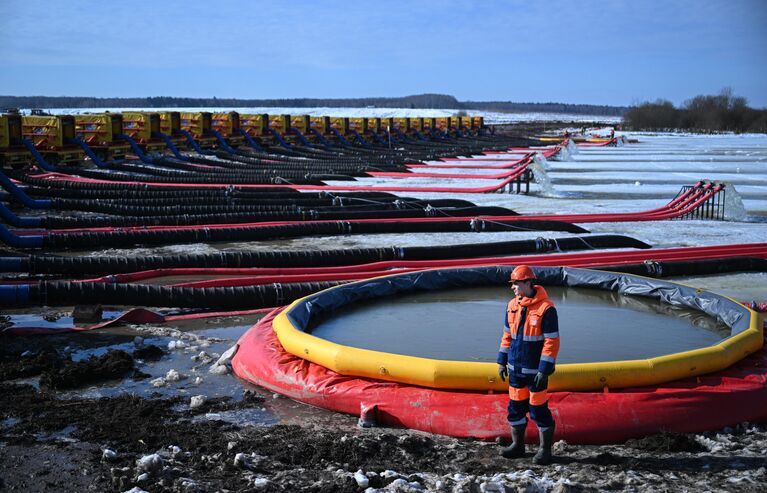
(47,264)
(261,233)
(61,293)
(680,268)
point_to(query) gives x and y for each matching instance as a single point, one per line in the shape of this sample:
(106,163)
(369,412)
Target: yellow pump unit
(320,123)
(49,134)
(358,124)
(279,123)
(340,123)
(401,124)
(198,124)
(228,125)
(300,123)
(100,131)
(254,125)
(141,127)
(12,153)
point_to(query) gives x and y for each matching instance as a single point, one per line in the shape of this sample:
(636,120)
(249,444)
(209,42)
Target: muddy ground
(163,444)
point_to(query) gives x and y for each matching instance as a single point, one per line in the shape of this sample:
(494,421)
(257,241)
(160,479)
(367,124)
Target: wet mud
(50,443)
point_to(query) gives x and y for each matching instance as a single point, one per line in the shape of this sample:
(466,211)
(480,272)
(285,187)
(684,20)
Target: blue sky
(605,52)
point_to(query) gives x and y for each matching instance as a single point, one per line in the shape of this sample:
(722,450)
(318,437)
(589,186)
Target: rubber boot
(543,457)
(517,447)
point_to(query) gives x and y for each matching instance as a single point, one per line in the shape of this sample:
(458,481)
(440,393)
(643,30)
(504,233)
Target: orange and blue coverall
(529,345)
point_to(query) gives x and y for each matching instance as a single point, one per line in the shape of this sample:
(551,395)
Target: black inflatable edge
(732,314)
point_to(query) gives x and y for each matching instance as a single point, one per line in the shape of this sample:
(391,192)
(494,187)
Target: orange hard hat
(522,273)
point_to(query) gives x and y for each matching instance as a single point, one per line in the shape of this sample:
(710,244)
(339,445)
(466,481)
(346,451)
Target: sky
(611,52)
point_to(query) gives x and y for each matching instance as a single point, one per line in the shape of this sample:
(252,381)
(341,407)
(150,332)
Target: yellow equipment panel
(99,128)
(455,122)
(400,124)
(279,123)
(10,129)
(139,125)
(254,125)
(340,123)
(198,124)
(300,122)
(387,124)
(358,124)
(320,123)
(429,123)
(48,131)
(170,122)
(374,125)
(225,123)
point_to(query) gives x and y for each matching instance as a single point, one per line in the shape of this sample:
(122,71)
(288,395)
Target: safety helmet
(522,273)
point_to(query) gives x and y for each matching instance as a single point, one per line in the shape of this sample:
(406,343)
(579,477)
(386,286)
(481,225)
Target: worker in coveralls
(528,353)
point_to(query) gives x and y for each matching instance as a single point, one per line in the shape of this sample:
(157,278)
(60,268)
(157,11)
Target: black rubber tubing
(261,233)
(62,293)
(682,268)
(53,222)
(46,264)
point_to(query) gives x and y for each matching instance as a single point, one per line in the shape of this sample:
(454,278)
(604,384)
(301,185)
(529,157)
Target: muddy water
(466,324)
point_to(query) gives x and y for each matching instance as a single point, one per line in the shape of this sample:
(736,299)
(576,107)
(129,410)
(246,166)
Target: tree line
(419,101)
(572,109)
(723,112)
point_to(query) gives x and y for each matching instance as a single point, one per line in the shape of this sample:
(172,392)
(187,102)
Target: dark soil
(51,444)
(70,375)
(149,353)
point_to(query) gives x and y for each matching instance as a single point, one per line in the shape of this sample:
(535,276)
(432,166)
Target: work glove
(541,381)
(503,372)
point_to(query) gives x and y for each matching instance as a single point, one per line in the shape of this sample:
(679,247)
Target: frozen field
(490,116)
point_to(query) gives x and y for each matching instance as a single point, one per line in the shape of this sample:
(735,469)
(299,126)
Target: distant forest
(420,101)
(724,112)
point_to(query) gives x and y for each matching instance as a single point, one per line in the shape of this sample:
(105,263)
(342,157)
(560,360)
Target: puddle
(242,417)
(466,325)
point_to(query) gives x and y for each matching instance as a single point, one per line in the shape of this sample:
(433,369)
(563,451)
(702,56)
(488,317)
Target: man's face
(522,288)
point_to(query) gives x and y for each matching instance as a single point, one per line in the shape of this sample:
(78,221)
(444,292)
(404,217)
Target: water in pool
(466,324)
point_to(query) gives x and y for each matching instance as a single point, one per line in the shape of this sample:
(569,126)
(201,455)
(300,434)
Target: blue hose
(320,137)
(361,141)
(300,136)
(20,194)
(251,142)
(88,151)
(401,136)
(378,139)
(136,149)
(419,134)
(38,157)
(192,142)
(341,138)
(222,142)
(9,217)
(7,237)
(14,295)
(14,264)
(171,145)
(279,138)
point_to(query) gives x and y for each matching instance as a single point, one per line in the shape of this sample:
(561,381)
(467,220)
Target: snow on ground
(491,117)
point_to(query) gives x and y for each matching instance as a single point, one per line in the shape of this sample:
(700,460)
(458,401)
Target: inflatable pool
(697,390)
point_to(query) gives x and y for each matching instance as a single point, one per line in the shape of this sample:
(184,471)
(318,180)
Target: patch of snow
(197,401)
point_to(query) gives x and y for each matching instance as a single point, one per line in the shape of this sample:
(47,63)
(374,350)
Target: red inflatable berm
(699,404)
